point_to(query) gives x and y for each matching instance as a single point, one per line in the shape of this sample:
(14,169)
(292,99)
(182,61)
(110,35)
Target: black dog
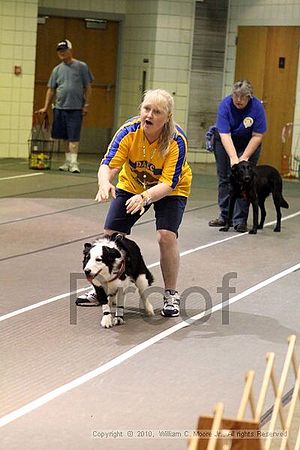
(111,264)
(255,183)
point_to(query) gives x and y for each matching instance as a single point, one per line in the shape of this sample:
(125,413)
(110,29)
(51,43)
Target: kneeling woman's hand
(105,190)
(135,204)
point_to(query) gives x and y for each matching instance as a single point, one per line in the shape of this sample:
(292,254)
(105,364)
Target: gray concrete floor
(65,381)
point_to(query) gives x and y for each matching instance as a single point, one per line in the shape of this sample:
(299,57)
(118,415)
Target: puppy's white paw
(107,321)
(118,321)
(149,309)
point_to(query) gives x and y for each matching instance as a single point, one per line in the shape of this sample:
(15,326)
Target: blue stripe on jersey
(181,131)
(132,119)
(181,159)
(115,143)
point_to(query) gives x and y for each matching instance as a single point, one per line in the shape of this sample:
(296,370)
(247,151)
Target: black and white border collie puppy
(111,264)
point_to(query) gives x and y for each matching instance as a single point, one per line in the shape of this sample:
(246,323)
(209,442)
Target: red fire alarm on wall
(18,70)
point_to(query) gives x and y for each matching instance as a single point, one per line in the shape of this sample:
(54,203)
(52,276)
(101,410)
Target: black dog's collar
(244,194)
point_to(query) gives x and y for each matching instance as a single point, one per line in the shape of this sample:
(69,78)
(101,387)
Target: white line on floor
(22,176)
(31,406)
(187,252)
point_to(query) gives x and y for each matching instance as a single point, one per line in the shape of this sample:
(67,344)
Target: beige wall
(160,30)
(17,47)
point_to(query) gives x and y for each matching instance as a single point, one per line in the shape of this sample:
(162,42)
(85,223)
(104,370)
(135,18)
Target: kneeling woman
(149,153)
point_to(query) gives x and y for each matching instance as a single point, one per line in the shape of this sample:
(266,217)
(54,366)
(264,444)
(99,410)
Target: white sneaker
(74,168)
(88,299)
(171,306)
(65,167)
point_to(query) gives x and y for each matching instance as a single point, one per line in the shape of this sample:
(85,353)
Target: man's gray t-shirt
(70,81)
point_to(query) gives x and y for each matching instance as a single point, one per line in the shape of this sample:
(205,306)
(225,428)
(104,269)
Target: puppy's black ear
(86,248)
(115,237)
(110,254)
(86,253)
(234,167)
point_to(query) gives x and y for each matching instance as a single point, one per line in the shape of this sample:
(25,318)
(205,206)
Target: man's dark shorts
(168,213)
(67,124)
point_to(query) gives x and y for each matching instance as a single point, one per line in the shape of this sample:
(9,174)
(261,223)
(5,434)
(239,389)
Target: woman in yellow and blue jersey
(149,153)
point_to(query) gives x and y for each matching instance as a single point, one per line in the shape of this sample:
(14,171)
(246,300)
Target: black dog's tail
(284,203)
(278,190)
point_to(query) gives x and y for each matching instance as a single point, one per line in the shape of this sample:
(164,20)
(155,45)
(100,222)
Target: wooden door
(268,56)
(251,59)
(98,48)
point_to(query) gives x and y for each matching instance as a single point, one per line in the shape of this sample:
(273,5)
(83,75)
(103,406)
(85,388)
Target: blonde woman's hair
(165,102)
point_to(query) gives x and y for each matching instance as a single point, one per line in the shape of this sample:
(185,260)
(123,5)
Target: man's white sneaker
(88,299)
(171,306)
(74,168)
(65,167)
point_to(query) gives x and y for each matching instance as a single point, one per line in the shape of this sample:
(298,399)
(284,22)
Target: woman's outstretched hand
(135,204)
(105,191)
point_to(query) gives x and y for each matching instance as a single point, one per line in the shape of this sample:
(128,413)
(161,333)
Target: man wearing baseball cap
(70,84)
(64,45)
